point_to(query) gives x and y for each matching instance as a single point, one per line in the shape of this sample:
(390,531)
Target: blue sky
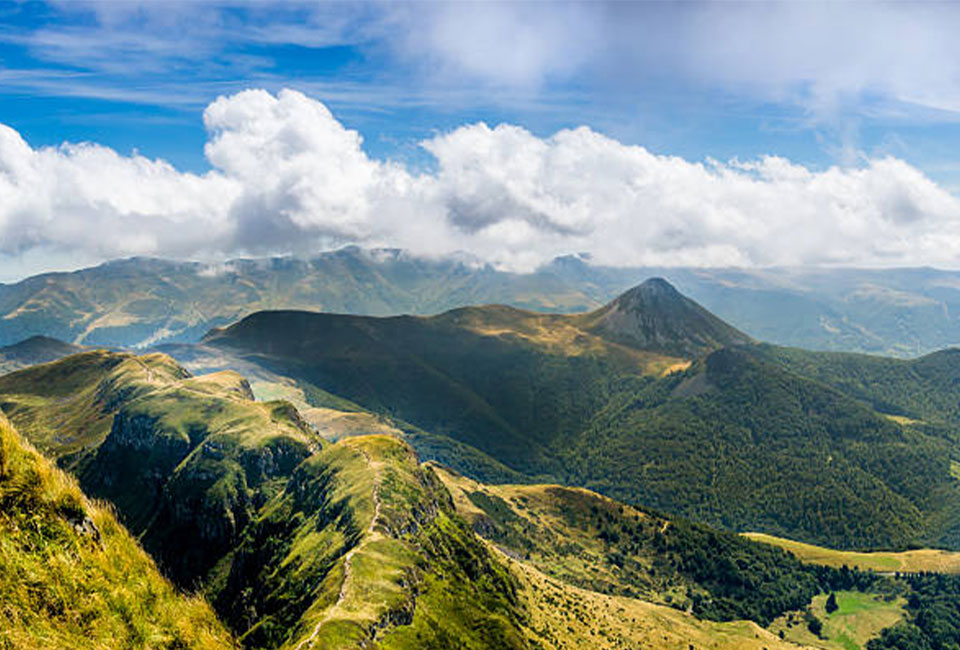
(716,133)
(138,75)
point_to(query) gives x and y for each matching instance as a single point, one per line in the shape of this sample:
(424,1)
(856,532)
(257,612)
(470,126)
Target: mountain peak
(654,315)
(652,287)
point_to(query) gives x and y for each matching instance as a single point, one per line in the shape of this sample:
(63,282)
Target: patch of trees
(934,622)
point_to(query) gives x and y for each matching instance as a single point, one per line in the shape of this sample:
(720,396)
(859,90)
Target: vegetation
(933,622)
(915,561)
(185,460)
(738,439)
(72,577)
(300,540)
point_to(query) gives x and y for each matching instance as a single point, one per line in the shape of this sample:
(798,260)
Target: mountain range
(487,477)
(141,302)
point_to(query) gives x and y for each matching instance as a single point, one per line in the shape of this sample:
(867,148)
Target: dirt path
(347,559)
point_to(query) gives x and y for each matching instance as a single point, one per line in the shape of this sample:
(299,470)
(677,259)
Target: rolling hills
(357,543)
(669,407)
(142,302)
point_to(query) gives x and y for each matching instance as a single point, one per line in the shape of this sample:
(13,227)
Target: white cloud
(288,177)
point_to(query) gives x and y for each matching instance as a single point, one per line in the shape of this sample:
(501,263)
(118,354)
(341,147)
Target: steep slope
(186,460)
(72,577)
(739,442)
(356,544)
(36,349)
(655,316)
(737,439)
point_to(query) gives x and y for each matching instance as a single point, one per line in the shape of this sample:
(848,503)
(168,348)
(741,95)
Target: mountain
(143,302)
(184,459)
(649,400)
(655,316)
(358,544)
(505,381)
(73,577)
(34,350)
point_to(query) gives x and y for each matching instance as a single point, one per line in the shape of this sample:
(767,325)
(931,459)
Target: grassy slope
(933,560)
(72,577)
(587,540)
(564,617)
(186,460)
(507,394)
(447,590)
(559,541)
(859,618)
(362,545)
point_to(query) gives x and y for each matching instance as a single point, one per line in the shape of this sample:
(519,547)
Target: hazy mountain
(34,350)
(142,302)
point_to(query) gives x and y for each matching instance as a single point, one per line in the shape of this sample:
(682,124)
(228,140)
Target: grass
(72,577)
(563,616)
(60,406)
(881,561)
(859,618)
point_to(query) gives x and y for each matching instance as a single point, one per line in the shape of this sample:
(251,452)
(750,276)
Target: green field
(859,618)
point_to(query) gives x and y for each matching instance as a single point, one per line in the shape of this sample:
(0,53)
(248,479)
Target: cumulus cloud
(287,176)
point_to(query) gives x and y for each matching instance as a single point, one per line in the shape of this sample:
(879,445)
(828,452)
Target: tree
(832,605)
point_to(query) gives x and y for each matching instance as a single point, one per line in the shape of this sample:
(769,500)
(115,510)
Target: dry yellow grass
(563,616)
(882,561)
(558,334)
(72,577)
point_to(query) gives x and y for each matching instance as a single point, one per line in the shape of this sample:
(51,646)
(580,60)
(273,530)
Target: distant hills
(36,349)
(143,302)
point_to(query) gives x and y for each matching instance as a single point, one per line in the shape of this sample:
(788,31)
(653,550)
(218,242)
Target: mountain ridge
(140,302)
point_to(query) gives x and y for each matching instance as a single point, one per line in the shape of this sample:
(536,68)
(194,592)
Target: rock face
(655,316)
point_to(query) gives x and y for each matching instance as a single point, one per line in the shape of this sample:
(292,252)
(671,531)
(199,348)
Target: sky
(704,134)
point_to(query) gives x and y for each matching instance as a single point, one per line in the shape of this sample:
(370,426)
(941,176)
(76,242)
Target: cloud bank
(288,177)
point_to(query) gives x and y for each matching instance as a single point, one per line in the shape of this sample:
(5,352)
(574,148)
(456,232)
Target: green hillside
(72,577)
(627,406)
(354,545)
(505,381)
(186,460)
